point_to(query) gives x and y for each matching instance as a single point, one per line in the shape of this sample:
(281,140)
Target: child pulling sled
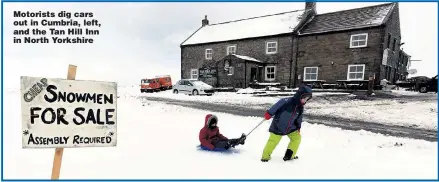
(211,138)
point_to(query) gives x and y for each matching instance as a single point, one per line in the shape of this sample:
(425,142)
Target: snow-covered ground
(159,141)
(421,114)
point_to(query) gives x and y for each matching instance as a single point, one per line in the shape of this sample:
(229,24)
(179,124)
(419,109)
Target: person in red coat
(211,138)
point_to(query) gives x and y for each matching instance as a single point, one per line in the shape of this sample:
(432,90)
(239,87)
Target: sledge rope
(255,127)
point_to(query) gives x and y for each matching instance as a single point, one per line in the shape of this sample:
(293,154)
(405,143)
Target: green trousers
(274,139)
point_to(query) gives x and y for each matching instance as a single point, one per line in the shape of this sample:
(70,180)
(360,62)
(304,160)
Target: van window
(144,81)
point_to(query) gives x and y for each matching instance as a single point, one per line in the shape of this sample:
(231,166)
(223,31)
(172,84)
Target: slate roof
(364,17)
(275,24)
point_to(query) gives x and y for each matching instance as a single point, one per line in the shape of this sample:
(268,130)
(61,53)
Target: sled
(218,150)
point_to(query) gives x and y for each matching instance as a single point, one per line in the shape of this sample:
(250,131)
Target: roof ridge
(263,16)
(353,9)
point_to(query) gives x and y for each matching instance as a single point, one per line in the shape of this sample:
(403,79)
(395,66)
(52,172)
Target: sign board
(207,72)
(60,113)
(385,56)
(412,71)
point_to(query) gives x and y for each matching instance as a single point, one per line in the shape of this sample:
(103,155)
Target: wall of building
(392,31)
(332,54)
(193,57)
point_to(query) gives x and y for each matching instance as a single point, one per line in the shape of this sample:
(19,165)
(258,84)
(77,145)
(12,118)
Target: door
(184,86)
(189,87)
(253,72)
(181,86)
(259,74)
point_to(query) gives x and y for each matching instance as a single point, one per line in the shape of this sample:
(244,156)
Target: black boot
(288,155)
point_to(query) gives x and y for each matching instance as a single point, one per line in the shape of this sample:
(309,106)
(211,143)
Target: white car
(193,87)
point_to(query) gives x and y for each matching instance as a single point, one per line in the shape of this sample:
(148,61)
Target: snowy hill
(159,141)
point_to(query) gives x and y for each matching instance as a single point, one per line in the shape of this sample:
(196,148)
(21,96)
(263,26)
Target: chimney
(204,22)
(311,6)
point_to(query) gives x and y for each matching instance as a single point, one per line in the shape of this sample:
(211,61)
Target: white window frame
(231,71)
(192,73)
(304,74)
(266,73)
(230,46)
(206,54)
(266,47)
(361,34)
(352,65)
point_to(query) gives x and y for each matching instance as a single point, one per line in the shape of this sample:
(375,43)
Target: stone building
(290,47)
(352,45)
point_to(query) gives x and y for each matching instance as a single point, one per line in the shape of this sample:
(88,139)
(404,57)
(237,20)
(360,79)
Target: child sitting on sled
(211,138)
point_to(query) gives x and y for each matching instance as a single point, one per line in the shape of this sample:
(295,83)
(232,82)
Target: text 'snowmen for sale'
(59,113)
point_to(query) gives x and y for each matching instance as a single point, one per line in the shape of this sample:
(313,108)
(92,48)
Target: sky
(139,40)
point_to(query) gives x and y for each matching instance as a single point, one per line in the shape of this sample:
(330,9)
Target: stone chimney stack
(204,22)
(311,6)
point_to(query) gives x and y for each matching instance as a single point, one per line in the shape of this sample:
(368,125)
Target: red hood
(208,118)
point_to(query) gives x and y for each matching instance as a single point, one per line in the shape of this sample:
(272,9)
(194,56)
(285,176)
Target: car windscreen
(198,83)
(145,81)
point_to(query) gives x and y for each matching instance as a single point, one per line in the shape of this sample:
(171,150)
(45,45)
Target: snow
(404,92)
(413,114)
(252,27)
(246,91)
(247,58)
(158,141)
(422,114)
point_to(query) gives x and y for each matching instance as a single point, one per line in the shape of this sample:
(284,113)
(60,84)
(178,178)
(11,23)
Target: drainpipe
(291,60)
(297,57)
(245,73)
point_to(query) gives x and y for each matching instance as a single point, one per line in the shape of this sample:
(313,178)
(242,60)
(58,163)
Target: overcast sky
(142,39)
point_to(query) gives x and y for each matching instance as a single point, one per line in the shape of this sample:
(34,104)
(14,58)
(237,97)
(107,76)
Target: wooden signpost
(67,113)
(57,160)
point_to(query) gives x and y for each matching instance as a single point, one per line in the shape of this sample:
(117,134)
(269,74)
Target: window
(231,49)
(310,73)
(394,44)
(358,40)
(270,73)
(271,47)
(194,73)
(388,40)
(356,72)
(230,71)
(209,53)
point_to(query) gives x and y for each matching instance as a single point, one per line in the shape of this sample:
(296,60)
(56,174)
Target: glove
(267,116)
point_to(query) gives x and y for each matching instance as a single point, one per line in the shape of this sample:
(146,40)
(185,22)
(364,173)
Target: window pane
(313,77)
(351,75)
(270,76)
(354,44)
(352,69)
(307,76)
(313,70)
(362,37)
(359,75)
(270,69)
(355,38)
(362,42)
(271,49)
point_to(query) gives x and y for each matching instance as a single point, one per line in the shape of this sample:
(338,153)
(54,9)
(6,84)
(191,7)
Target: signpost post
(67,113)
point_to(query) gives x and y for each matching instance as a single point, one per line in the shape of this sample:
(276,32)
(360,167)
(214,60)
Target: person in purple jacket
(287,120)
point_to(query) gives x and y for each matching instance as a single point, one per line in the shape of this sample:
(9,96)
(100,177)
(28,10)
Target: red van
(149,85)
(165,82)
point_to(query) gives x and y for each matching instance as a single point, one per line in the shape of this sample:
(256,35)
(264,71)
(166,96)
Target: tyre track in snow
(343,123)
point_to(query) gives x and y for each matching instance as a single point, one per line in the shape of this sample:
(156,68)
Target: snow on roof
(247,28)
(247,58)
